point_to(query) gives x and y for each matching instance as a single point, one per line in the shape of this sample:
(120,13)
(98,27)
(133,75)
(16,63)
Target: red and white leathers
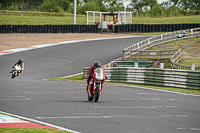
(90,85)
(91,71)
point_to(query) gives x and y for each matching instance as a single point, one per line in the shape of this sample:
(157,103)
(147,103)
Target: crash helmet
(97,64)
(20,60)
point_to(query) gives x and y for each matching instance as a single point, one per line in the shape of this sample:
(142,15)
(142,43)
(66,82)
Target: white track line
(39,122)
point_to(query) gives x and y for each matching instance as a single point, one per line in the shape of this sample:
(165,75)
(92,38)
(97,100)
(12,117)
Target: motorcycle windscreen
(99,74)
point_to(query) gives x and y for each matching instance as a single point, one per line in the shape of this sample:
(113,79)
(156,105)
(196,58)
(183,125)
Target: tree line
(144,8)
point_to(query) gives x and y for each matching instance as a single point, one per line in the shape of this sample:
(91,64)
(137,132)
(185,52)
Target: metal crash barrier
(152,76)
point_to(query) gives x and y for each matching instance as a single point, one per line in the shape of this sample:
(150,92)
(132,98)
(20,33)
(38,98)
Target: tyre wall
(49,29)
(144,28)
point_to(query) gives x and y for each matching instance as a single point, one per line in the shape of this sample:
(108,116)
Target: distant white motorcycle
(16,70)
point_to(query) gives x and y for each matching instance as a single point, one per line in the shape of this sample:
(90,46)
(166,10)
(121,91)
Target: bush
(197,12)
(51,6)
(184,12)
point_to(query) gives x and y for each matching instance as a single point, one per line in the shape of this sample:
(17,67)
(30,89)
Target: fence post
(161,65)
(192,67)
(124,56)
(136,65)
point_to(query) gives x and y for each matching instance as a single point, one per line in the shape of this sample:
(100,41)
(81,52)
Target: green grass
(76,78)
(80,78)
(191,61)
(30,130)
(167,20)
(190,50)
(39,20)
(61,20)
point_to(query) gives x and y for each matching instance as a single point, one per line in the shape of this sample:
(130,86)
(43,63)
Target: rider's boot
(90,87)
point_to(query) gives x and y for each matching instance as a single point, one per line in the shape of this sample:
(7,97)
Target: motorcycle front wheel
(14,74)
(96,95)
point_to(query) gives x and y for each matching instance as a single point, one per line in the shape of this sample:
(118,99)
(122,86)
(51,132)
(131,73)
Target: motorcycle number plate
(99,74)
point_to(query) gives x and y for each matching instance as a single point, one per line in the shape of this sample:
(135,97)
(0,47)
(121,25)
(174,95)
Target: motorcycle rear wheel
(96,95)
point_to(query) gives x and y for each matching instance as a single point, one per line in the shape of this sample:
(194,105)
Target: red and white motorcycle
(96,84)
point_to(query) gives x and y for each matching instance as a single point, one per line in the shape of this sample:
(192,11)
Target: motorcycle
(96,84)
(16,71)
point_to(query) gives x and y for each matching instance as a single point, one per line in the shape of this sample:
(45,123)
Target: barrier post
(136,65)
(192,67)
(161,65)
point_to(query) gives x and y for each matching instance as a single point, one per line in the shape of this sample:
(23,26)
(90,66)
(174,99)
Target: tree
(176,2)
(65,4)
(157,11)
(114,5)
(136,5)
(51,6)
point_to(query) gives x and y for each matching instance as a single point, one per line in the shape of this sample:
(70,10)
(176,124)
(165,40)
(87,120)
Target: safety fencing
(153,27)
(152,76)
(49,29)
(156,40)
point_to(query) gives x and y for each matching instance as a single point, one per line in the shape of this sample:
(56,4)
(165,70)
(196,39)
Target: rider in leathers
(19,63)
(91,71)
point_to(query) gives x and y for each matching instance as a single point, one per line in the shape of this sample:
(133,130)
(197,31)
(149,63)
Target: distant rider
(19,63)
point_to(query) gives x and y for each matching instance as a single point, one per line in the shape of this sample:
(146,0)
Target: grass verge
(181,90)
(190,50)
(60,20)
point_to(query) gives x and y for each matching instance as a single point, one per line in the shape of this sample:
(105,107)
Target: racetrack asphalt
(64,103)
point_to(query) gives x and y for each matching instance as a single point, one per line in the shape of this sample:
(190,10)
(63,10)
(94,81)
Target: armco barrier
(49,29)
(153,27)
(152,76)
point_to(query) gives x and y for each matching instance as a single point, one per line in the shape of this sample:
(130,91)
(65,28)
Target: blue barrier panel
(159,28)
(149,27)
(139,28)
(173,27)
(21,29)
(163,28)
(66,28)
(136,27)
(7,28)
(42,29)
(190,26)
(62,29)
(32,28)
(27,28)
(0,29)
(39,29)
(187,26)
(170,28)
(180,26)
(132,28)
(153,28)
(142,28)
(12,28)
(70,28)
(116,28)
